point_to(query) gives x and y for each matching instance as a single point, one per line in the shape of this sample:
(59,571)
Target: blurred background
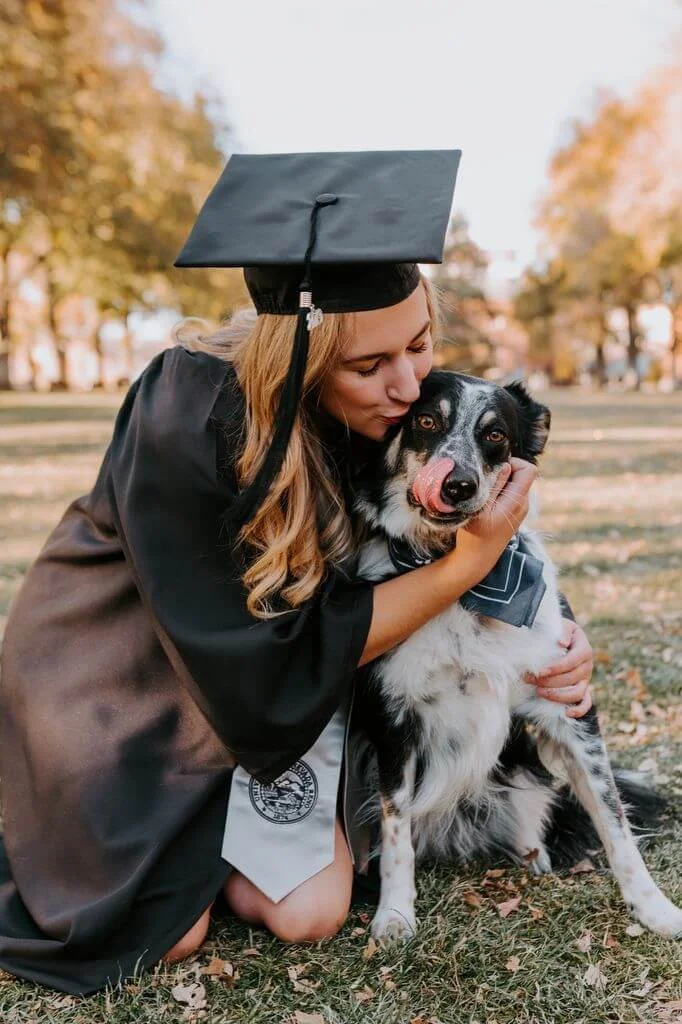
(563,264)
(564,257)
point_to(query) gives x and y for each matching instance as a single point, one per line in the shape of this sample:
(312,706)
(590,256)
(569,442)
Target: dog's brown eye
(495,436)
(426,422)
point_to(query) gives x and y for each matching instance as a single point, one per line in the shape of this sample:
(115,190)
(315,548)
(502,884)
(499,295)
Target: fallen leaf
(251,951)
(300,1017)
(363,917)
(536,913)
(193,995)
(634,929)
(584,942)
(357,932)
(305,985)
(513,963)
(62,1002)
(296,971)
(601,657)
(508,906)
(582,867)
(370,949)
(645,989)
(633,679)
(472,899)
(389,984)
(364,994)
(637,712)
(609,941)
(495,873)
(594,977)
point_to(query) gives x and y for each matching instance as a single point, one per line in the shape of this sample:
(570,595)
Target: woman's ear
(534,421)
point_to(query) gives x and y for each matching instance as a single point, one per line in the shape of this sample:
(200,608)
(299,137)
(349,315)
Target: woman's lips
(428,482)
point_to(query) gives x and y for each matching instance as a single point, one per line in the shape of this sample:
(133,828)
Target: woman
(154,644)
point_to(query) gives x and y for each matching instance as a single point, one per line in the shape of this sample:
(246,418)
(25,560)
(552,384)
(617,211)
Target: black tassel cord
(252,497)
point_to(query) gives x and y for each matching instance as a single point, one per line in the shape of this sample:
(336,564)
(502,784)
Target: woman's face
(378,378)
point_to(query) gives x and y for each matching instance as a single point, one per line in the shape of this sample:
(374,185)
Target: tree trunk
(600,375)
(633,346)
(4,319)
(52,321)
(676,345)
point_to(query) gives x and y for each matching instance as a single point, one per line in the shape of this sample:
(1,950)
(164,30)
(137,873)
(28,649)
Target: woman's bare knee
(291,925)
(315,910)
(191,940)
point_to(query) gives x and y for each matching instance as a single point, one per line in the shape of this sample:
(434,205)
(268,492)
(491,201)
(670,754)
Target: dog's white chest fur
(462,674)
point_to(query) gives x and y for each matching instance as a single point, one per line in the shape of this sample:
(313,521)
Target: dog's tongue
(428,482)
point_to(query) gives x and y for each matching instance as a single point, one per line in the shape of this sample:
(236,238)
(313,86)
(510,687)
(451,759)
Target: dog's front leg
(579,745)
(395,918)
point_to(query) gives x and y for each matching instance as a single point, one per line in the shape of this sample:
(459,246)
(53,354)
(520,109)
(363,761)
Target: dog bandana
(282,833)
(511,592)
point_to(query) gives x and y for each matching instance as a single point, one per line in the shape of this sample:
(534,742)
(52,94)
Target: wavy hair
(302,526)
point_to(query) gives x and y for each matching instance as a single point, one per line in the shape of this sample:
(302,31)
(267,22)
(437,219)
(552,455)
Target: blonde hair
(302,526)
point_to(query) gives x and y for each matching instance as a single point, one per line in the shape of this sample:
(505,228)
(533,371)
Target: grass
(611,503)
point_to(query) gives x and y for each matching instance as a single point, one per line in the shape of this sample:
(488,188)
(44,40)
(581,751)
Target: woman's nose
(404,386)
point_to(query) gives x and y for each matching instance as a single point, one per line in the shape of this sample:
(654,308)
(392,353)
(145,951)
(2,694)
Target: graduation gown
(133,680)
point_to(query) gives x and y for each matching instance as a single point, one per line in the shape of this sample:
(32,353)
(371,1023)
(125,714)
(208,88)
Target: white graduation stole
(279,835)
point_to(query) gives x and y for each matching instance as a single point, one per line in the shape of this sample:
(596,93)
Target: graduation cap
(321,233)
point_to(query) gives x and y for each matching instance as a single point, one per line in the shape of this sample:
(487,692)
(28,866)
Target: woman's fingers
(583,670)
(566,694)
(578,710)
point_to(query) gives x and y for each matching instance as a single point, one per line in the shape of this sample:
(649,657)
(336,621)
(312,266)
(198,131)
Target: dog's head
(436,470)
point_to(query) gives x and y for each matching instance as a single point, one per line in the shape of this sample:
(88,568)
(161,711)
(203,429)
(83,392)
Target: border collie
(458,754)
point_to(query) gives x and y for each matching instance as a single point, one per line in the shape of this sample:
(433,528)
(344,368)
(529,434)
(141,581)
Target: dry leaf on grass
(472,899)
(370,949)
(223,970)
(601,657)
(508,906)
(364,994)
(582,867)
(300,1017)
(634,929)
(513,963)
(495,873)
(535,913)
(305,985)
(584,942)
(595,977)
(644,990)
(192,995)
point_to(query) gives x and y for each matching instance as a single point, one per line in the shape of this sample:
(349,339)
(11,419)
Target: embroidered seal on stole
(291,797)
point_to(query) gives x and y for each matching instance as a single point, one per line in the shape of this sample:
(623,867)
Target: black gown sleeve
(268,687)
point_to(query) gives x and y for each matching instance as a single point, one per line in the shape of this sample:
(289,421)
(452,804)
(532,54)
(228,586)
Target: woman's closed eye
(421,347)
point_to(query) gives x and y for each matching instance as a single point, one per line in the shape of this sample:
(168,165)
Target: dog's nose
(458,486)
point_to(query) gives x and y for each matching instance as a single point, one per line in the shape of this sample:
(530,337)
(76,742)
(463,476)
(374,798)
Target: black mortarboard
(322,233)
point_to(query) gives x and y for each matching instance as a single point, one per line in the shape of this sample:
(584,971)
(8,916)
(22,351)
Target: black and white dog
(460,756)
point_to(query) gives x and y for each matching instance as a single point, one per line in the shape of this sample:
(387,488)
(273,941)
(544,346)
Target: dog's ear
(534,422)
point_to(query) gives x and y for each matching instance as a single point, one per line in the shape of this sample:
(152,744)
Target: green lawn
(611,503)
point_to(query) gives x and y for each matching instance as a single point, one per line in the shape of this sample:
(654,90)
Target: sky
(498,79)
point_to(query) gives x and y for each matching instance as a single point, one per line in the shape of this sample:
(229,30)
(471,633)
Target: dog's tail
(571,836)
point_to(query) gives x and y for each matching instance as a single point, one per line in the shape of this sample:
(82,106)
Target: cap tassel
(251,498)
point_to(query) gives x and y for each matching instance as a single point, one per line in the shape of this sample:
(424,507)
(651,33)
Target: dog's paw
(394,925)
(659,915)
(539,864)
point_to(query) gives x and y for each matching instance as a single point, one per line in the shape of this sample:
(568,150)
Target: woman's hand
(568,681)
